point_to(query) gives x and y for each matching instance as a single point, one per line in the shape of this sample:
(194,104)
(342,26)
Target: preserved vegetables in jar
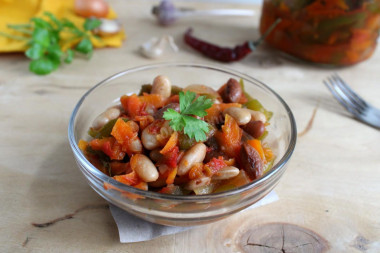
(333,32)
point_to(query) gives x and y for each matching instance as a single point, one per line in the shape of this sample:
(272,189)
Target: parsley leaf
(45,40)
(189,106)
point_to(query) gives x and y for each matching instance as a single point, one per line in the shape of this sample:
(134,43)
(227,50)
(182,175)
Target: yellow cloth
(21,11)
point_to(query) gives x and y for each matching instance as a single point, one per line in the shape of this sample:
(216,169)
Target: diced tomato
(132,105)
(170,158)
(125,133)
(214,166)
(108,146)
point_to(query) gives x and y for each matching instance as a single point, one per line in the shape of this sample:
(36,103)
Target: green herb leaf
(195,128)
(54,20)
(177,122)
(91,23)
(84,46)
(41,36)
(69,56)
(35,52)
(40,23)
(189,107)
(42,66)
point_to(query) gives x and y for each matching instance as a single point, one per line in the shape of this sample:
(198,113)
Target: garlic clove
(108,27)
(154,47)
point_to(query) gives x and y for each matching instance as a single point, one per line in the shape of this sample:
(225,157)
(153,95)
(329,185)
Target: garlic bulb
(155,47)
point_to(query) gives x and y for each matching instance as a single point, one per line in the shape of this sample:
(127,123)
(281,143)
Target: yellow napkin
(21,11)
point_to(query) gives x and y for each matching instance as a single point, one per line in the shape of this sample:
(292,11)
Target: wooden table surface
(329,197)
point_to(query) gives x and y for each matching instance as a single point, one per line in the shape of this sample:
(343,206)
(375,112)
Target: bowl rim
(267,176)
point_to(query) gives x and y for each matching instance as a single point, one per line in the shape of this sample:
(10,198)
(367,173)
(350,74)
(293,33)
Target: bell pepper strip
(171,144)
(171,175)
(108,146)
(105,131)
(255,105)
(230,137)
(256,144)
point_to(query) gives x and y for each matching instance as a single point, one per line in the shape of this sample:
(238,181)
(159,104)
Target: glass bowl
(171,209)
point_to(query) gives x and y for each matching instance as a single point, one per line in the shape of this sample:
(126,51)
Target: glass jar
(333,32)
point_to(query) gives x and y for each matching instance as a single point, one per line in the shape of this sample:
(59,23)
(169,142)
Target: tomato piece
(108,146)
(125,133)
(170,158)
(214,166)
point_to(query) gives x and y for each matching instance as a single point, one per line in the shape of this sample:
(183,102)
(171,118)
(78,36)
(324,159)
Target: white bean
(241,115)
(226,173)
(135,145)
(105,117)
(149,140)
(198,182)
(162,85)
(196,154)
(256,115)
(144,168)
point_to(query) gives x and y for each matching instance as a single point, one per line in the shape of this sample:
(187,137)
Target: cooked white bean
(149,140)
(198,182)
(162,85)
(256,115)
(196,154)
(135,145)
(226,173)
(144,168)
(241,115)
(105,117)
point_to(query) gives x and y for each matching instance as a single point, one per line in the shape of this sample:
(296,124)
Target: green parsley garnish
(183,120)
(44,40)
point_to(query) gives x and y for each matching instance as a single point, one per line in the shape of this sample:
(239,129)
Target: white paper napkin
(133,229)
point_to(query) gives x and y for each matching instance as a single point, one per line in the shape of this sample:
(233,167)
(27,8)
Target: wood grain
(331,186)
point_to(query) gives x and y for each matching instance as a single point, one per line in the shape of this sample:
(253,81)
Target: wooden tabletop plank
(330,191)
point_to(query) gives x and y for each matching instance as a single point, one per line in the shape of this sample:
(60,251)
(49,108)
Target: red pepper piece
(223,54)
(226,54)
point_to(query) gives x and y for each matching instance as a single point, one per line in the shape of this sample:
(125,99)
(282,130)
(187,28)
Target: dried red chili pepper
(225,54)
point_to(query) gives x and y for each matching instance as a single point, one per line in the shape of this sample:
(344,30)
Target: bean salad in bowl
(182,144)
(173,140)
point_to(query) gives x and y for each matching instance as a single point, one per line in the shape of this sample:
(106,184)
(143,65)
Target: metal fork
(356,105)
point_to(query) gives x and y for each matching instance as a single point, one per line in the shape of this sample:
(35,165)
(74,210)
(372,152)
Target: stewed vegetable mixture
(182,141)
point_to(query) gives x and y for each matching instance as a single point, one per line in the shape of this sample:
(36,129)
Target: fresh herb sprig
(184,120)
(45,41)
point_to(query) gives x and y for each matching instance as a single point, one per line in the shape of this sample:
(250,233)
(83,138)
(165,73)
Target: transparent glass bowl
(170,209)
